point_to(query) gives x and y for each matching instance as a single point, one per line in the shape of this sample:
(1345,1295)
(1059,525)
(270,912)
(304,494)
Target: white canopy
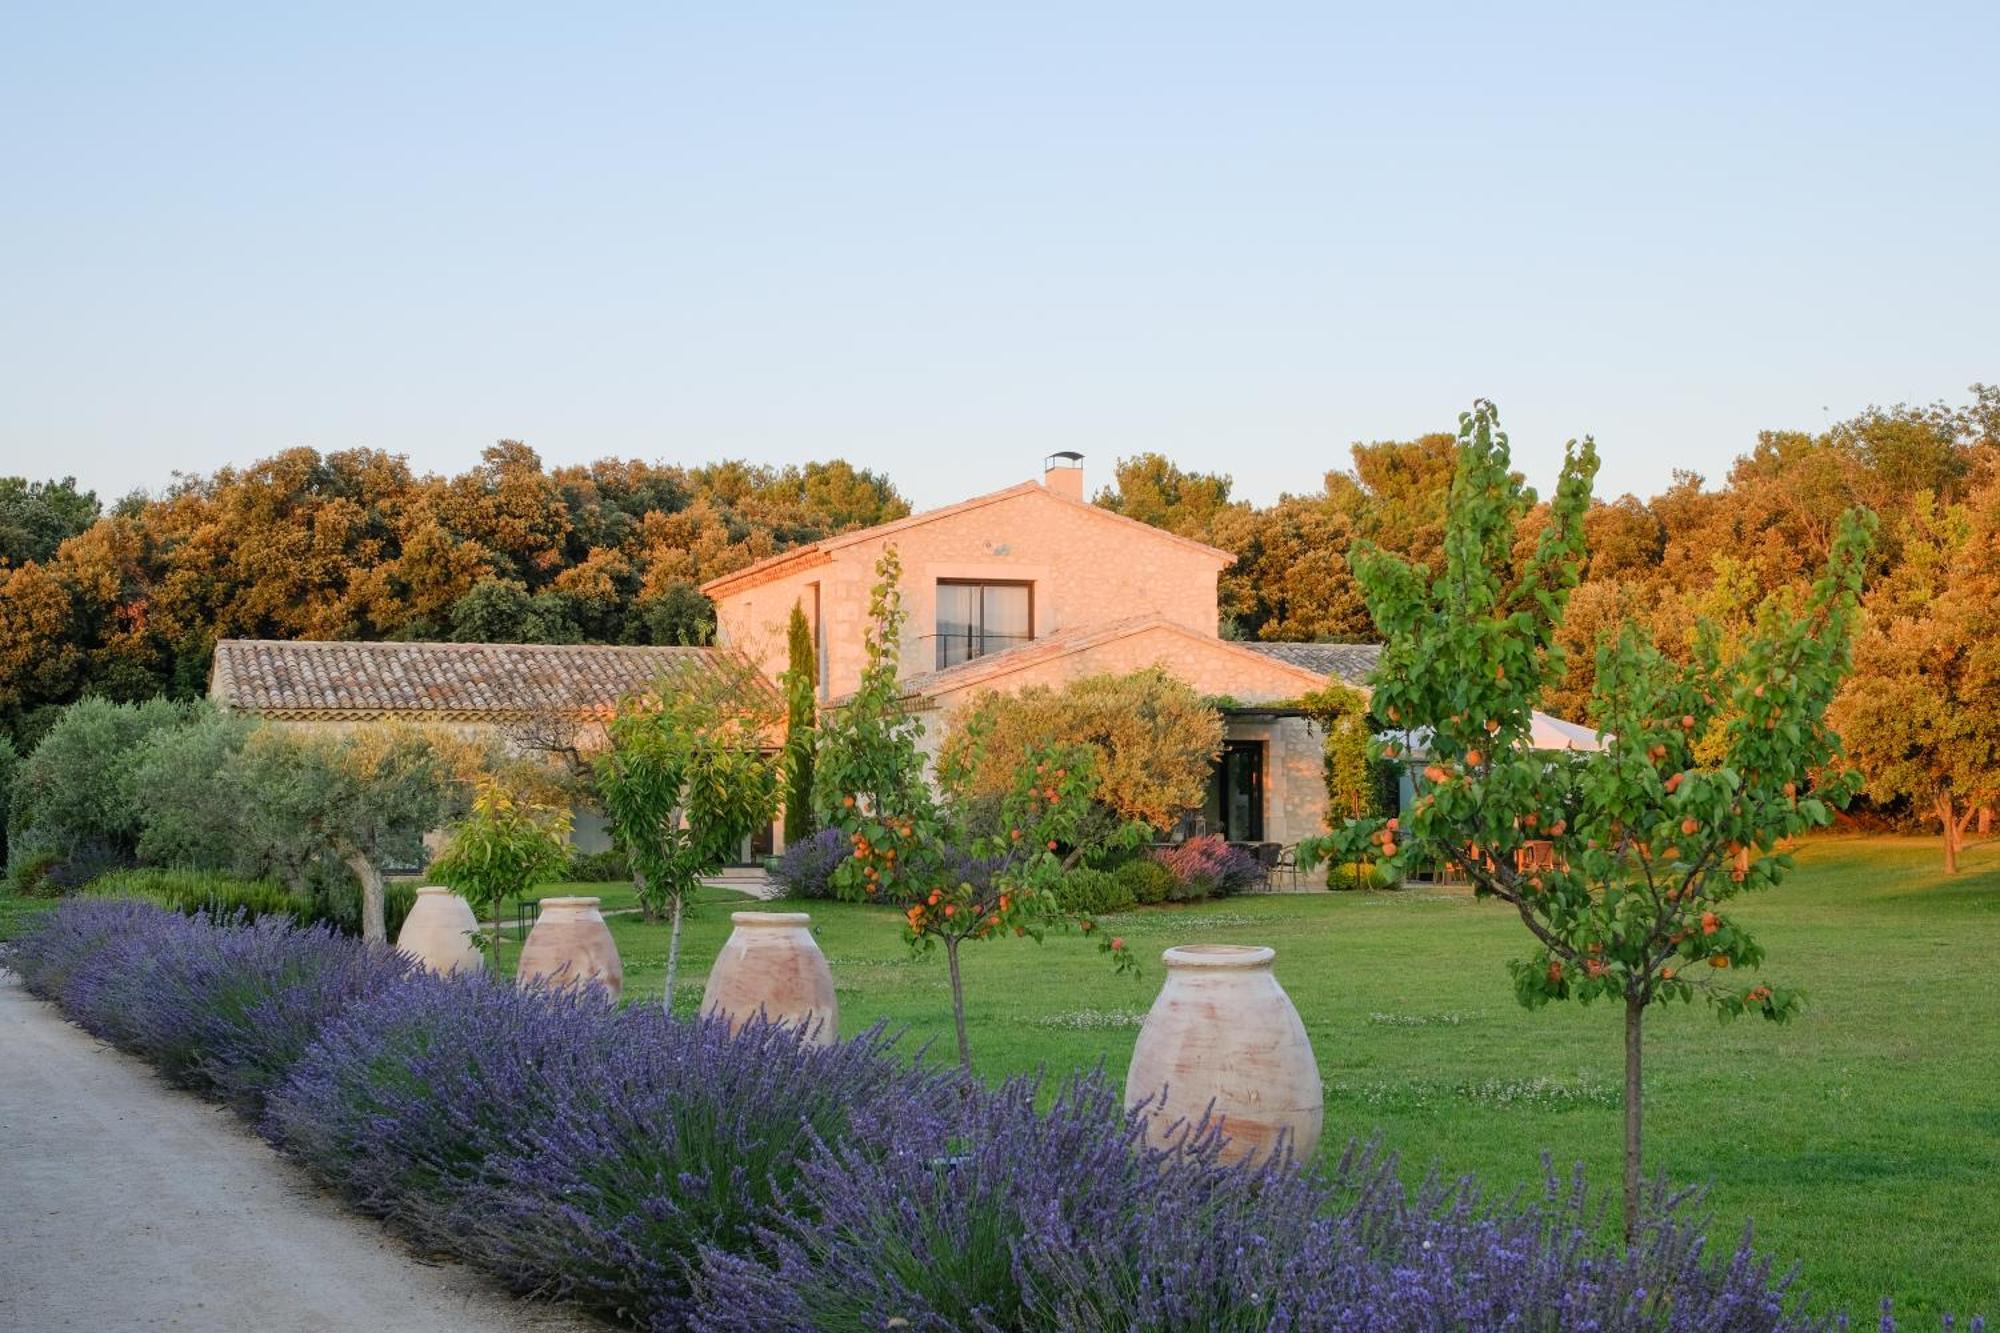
(1552,733)
(1544,733)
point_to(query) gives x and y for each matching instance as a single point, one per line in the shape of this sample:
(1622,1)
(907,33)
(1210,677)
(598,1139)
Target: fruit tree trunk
(1635,1010)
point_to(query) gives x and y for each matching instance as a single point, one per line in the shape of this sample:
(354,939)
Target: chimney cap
(1070,457)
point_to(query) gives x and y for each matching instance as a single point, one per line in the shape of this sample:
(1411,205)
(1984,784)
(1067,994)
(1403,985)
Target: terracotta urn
(772,962)
(1224,1032)
(438,932)
(571,946)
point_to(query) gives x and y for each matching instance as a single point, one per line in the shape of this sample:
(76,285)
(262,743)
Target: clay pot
(771,962)
(571,946)
(1224,1032)
(438,932)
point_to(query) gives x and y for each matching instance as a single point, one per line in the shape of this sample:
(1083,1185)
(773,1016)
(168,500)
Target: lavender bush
(404,1098)
(1064,1220)
(805,868)
(226,1008)
(60,942)
(687,1142)
(672,1176)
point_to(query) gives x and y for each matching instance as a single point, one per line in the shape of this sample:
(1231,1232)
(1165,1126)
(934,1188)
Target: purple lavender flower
(806,867)
(225,1008)
(687,1139)
(673,1176)
(404,1098)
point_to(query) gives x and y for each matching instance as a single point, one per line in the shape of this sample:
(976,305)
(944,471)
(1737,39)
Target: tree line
(127,603)
(1920,713)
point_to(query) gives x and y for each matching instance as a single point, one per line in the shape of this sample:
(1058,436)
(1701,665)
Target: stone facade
(1109,595)
(1087,567)
(1294,780)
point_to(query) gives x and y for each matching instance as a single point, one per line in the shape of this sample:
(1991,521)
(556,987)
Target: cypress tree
(801,686)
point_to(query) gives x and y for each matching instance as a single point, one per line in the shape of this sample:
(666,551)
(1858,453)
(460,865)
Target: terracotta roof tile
(1351,662)
(441,681)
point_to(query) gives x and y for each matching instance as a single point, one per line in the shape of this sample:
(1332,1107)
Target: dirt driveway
(125,1204)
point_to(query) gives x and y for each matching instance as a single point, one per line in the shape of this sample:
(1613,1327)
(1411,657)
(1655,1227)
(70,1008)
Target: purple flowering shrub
(1020,1220)
(51,950)
(404,1098)
(690,1141)
(1208,867)
(805,868)
(1063,1220)
(223,1007)
(579,1152)
(671,1176)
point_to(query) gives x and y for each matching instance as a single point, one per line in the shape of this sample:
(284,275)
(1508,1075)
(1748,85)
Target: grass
(1864,1137)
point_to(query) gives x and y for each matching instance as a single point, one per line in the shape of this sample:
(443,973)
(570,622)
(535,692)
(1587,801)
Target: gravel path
(126,1204)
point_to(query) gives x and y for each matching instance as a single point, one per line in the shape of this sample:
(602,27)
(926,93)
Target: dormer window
(975,618)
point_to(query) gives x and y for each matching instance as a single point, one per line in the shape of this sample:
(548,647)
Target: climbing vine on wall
(1354,777)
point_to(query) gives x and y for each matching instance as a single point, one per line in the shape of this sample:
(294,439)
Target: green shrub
(32,874)
(1094,892)
(10,760)
(191,806)
(193,891)
(1148,881)
(76,794)
(336,899)
(1348,875)
(606,867)
(222,895)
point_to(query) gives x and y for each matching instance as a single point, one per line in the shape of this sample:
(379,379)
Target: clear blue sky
(944,244)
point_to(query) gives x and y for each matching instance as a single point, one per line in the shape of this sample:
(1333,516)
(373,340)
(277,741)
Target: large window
(974,619)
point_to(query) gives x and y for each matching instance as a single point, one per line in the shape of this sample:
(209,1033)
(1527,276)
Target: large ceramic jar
(771,962)
(571,946)
(1224,1032)
(438,932)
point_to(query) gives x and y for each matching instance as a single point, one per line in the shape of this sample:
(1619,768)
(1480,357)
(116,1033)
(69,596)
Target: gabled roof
(1352,663)
(1067,643)
(820,551)
(442,682)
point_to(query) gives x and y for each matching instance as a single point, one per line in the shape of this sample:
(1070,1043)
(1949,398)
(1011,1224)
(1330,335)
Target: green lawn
(1864,1137)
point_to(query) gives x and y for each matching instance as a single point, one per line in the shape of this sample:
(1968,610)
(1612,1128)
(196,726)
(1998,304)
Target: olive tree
(76,794)
(191,812)
(365,797)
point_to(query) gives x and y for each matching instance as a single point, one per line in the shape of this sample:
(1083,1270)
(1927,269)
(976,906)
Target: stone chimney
(1063,474)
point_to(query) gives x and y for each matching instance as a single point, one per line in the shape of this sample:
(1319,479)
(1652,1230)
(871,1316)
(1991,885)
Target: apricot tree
(954,883)
(1639,847)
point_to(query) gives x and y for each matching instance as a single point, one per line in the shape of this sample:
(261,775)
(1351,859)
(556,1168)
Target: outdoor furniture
(1536,855)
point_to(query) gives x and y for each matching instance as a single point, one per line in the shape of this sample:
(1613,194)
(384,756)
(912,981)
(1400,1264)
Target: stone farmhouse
(1026,586)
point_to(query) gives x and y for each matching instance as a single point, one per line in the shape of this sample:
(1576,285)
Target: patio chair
(1268,855)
